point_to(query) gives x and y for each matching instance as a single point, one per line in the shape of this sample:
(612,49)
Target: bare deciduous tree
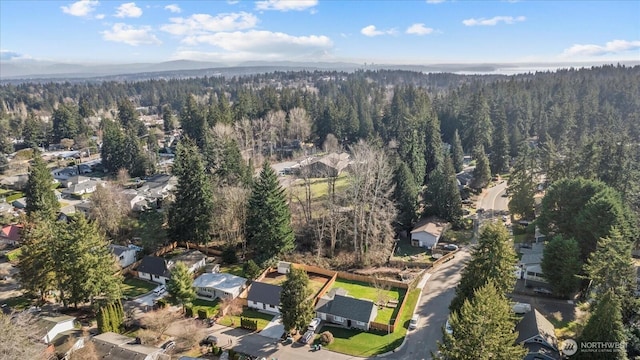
(231,307)
(230,213)
(331,144)
(21,337)
(188,338)
(277,121)
(87,352)
(159,321)
(299,124)
(123,176)
(109,208)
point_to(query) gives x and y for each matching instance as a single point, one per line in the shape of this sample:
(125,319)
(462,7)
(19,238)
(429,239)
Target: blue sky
(404,32)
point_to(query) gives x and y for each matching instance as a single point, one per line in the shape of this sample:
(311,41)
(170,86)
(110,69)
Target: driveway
(274,328)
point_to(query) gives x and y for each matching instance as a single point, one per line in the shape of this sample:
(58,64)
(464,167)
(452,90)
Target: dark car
(209,340)
(542,291)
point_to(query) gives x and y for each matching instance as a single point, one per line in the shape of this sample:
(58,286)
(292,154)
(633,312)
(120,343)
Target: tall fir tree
(457,153)
(442,197)
(433,145)
(500,144)
(561,265)
(112,150)
(522,184)
(36,266)
(193,122)
(406,195)
(268,225)
(190,214)
(38,192)
(604,326)
(482,171)
(493,259)
(477,122)
(483,329)
(181,284)
(296,300)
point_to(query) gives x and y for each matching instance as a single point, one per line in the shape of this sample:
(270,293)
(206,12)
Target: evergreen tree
(482,171)
(127,114)
(251,270)
(561,265)
(406,195)
(190,214)
(39,195)
(296,300)
(102,318)
(522,184)
(224,109)
(457,153)
(33,133)
(604,325)
(168,122)
(268,225)
(36,266)
(500,149)
(433,145)
(442,197)
(477,122)
(193,121)
(112,151)
(66,123)
(492,260)
(483,329)
(180,286)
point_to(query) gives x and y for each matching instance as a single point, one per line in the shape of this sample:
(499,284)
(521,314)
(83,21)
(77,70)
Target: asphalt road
(493,201)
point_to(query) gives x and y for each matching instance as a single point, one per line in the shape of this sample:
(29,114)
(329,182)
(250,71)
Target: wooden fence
(372,280)
(163,250)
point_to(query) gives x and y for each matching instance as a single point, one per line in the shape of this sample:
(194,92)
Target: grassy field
(365,344)
(212,307)
(233,269)
(132,287)
(320,188)
(234,321)
(405,252)
(362,290)
(460,237)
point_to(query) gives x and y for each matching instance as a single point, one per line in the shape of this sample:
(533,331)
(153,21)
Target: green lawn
(212,307)
(233,269)
(132,287)
(365,344)
(14,255)
(18,302)
(405,252)
(460,237)
(362,290)
(234,321)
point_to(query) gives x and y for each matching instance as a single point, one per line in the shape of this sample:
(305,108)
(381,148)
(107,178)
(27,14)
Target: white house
(530,263)
(284,267)
(155,269)
(126,255)
(210,286)
(112,346)
(427,233)
(194,259)
(265,297)
(55,325)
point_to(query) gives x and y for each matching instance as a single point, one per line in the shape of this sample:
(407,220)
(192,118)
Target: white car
(314,324)
(414,322)
(160,290)
(448,328)
(521,308)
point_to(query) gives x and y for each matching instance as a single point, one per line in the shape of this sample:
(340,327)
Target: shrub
(326,338)
(229,255)
(203,314)
(188,311)
(214,349)
(248,324)
(251,270)
(14,255)
(162,303)
(231,353)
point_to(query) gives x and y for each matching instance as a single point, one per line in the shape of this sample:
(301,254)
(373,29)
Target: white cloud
(173,8)
(132,35)
(81,8)
(232,2)
(128,10)
(435,1)
(493,21)
(371,31)
(285,5)
(100,16)
(419,29)
(611,47)
(263,42)
(205,23)
(8,55)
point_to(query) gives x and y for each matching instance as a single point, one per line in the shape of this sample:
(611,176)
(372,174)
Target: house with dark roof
(537,335)
(11,234)
(338,308)
(112,346)
(265,297)
(330,165)
(155,269)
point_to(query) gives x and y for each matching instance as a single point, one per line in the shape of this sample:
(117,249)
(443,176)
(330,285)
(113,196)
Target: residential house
(537,335)
(337,308)
(530,263)
(84,207)
(155,269)
(74,180)
(210,286)
(112,346)
(64,173)
(5,208)
(84,187)
(67,342)
(20,203)
(55,325)
(539,236)
(11,234)
(135,201)
(330,165)
(16,182)
(265,297)
(126,255)
(194,259)
(427,233)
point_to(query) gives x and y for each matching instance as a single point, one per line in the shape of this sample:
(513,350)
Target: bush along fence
(249,324)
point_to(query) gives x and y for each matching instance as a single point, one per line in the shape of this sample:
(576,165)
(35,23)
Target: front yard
(405,252)
(234,320)
(212,307)
(365,344)
(134,287)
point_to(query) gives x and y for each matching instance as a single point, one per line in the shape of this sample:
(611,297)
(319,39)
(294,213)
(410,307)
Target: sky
(398,32)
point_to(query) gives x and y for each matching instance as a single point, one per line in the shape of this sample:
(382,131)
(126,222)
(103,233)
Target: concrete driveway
(274,328)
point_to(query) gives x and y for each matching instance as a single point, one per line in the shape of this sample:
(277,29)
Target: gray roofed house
(263,296)
(537,334)
(112,346)
(347,311)
(155,269)
(210,286)
(329,165)
(194,260)
(55,325)
(126,255)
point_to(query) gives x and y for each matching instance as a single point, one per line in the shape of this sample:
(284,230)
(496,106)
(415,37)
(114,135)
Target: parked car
(480,210)
(314,324)
(450,247)
(307,337)
(160,290)
(542,291)
(525,246)
(169,345)
(521,308)
(505,218)
(448,328)
(209,340)
(413,323)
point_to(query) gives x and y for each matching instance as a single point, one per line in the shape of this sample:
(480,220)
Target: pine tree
(36,266)
(193,121)
(112,151)
(268,226)
(500,148)
(477,122)
(604,325)
(433,145)
(561,265)
(442,197)
(296,300)
(482,171)
(39,195)
(406,195)
(457,153)
(522,185)
(180,286)
(483,329)
(190,214)
(168,123)
(492,260)
(66,122)
(224,109)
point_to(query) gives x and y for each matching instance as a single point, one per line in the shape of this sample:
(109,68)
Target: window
(338,319)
